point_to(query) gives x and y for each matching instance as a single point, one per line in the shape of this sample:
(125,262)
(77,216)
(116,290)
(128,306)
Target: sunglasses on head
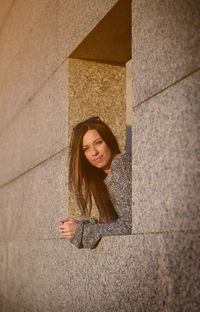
(87,121)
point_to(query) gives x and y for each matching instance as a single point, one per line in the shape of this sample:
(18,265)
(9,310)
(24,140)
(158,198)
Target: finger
(61,227)
(67,231)
(68,222)
(68,235)
(68,226)
(62,221)
(61,231)
(67,219)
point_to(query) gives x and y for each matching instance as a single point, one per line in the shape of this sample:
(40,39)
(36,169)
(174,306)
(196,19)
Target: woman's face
(96,150)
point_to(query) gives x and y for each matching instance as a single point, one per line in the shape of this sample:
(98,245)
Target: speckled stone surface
(13,307)
(38,131)
(5,6)
(29,54)
(179,272)
(32,205)
(52,275)
(3,272)
(96,89)
(38,35)
(166,43)
(166,164)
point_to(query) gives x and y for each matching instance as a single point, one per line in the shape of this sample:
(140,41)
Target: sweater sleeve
(89,232)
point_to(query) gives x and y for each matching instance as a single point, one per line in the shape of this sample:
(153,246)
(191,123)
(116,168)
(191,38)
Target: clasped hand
(67,227)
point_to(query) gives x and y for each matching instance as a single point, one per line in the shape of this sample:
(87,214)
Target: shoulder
(121,162)
(121,168)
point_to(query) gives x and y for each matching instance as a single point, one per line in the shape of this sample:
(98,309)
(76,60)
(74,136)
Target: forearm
(117,227)
(89,232)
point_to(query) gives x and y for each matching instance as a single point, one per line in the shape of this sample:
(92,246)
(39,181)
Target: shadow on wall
(129,140)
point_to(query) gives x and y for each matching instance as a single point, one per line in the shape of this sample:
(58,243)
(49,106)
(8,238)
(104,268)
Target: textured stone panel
(179,272)
(51,275)
(13,307)
(29,54)
(4,10)
(166,163)
(3,271)
(38,131)
(9,199)
(166,43)
(37,37)
(97,89)
(32,205)
(129,269)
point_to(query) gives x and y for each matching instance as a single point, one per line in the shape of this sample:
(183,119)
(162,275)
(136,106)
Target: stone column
(166,132)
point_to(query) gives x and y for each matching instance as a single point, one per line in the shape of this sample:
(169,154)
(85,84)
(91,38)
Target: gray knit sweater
(118,182)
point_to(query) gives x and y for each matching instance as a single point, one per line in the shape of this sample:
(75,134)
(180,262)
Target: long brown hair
(85,179)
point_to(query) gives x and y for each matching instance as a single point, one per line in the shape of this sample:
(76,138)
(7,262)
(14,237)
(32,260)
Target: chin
(100,166)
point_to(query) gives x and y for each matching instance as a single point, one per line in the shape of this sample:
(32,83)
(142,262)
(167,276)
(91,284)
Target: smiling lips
(98,158)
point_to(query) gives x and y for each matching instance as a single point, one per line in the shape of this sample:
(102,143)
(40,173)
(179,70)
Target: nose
(94,151)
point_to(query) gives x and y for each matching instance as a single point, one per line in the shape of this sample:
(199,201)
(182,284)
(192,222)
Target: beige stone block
(10,206)
(178,274)
(4,11)
(32,205)
(38,131)
(165,39)
(166,185)
(37,37)
(3,270)
(52,275)
(23,22)
(29,55)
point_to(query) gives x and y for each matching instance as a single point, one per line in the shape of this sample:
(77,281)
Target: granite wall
(157,267)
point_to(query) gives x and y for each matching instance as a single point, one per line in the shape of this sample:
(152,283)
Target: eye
(99,142)
(85,149)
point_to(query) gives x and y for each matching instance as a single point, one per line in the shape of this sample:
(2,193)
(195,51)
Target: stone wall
(166,144)
(155,268)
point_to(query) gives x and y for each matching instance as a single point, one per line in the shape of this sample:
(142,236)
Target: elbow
(127,227)
(90,243)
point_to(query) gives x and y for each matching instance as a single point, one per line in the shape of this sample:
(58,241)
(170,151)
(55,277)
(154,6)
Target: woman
(97,168)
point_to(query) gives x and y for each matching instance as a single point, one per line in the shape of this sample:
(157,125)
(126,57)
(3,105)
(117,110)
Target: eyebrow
(93,141)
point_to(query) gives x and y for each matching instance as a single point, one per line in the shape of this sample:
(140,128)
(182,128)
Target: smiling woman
(96,150)
(97,168)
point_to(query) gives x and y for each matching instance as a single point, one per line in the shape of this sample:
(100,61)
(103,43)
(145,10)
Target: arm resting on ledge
(89,232)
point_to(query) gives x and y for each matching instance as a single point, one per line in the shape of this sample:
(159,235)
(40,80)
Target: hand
(67,227)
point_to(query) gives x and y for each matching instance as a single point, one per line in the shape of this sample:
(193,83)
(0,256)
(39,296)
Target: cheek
(105,148)
(87,156)
(107,151)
